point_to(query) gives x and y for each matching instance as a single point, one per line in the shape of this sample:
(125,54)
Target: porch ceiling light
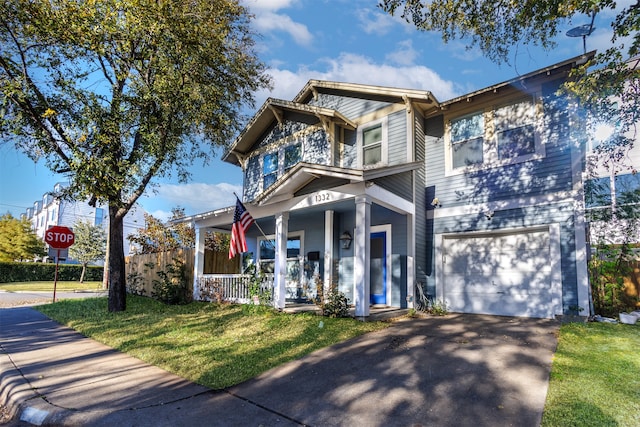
(345,239)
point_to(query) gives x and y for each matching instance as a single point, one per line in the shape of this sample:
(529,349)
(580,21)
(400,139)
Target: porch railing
(230,287)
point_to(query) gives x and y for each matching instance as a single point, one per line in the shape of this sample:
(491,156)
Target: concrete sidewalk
(456,370)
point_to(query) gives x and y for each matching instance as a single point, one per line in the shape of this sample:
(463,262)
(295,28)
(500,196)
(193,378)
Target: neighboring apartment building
(50,211)
(479,200)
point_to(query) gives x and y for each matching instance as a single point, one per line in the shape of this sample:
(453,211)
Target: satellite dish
(583,31)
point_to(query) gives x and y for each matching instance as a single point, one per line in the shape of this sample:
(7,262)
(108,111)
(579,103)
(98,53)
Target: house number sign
(321,197)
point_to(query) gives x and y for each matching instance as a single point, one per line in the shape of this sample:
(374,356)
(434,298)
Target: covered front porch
(296,243)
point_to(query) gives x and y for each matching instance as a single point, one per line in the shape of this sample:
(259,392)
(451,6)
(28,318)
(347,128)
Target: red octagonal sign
(59,237)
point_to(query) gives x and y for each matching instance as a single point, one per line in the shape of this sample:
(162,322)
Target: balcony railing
(230,287)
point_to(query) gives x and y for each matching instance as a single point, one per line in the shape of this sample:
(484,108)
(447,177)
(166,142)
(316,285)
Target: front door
(378,269)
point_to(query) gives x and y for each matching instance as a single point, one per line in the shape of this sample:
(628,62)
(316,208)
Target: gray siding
(352,108)
(397,138)
(421,203)
(400,184)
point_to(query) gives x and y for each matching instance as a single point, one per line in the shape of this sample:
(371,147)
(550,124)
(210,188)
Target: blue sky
(338,40)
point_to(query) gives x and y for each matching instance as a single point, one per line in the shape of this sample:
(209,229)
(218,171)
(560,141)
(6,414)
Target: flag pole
(257,225)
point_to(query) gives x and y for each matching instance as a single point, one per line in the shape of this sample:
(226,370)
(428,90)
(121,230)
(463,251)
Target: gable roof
(560,67)
(424,99)
(273,109)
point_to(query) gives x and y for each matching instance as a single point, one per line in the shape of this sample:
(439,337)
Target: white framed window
(372,144)
(277,163)
(467,140)
(515,129)
(505,134)
(267,253)
(269,169)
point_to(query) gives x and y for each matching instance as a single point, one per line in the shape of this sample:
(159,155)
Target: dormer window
(276,164)
(269,169)
(292,156)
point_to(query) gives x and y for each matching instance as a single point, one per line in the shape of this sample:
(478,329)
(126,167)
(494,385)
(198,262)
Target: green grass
(213,345)
(595,378)
(48,286)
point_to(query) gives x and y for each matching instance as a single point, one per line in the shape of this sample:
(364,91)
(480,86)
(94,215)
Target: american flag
(242,220)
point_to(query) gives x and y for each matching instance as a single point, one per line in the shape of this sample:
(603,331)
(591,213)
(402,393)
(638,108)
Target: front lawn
(595,378)
(214,345)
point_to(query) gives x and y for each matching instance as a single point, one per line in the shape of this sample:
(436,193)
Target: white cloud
(197,196)
(405,55)
(355,68)
(374,22)
(268,22)
(268,5)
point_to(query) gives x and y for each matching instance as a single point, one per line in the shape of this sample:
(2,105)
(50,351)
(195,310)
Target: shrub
(45,272)
(335,304)
(135,284)
(172,288)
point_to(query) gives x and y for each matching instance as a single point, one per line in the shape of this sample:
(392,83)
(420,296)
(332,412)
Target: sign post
(58,237)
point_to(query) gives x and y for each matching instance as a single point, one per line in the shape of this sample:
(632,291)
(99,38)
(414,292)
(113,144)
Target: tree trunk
(84,270)
(117,284)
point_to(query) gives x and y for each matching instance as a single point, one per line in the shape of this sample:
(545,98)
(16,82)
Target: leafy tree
(115,93)
(17,241)
(495,26)
(159,237)
(90,244)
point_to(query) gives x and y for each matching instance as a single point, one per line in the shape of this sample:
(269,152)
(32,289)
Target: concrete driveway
(457,370)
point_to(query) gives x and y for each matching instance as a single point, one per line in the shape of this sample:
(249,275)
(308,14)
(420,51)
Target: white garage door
(501,274)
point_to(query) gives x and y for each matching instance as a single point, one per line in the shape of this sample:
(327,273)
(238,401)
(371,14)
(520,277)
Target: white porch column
(361,264)
(328,249)
(279,289)
(198,265)
(411,253)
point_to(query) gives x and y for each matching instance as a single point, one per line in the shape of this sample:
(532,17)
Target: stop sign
(59,237)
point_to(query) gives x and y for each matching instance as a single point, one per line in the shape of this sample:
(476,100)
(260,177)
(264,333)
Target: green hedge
(41,272)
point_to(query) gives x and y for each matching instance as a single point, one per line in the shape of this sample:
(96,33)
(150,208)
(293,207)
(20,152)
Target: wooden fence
(141,270)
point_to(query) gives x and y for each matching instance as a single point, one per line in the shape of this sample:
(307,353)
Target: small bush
(438,308)
(335,304)
(172,288)
(135,284)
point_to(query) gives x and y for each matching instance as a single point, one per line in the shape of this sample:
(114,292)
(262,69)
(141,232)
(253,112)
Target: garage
(508,274)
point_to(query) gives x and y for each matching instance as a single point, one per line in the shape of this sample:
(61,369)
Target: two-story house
(478,200)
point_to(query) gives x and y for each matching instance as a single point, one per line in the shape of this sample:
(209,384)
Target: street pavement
(455,370)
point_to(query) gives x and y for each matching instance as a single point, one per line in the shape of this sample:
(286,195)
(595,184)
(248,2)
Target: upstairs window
(292,156)
(494,137)
(277,163)
(467,140)
(269,169)
(515,129)
(372,144)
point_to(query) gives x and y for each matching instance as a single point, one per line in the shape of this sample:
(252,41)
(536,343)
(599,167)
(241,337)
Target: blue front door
(378,269)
